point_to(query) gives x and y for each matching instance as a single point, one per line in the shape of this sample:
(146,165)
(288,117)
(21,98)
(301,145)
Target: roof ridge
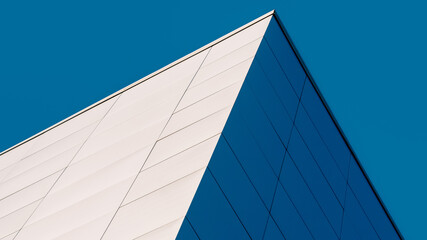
(170,65)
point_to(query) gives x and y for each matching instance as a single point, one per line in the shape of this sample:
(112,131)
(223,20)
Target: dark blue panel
(270,103)
(321,154)
(260,127)
(354,214)
(239,191)
(348,232)
(305,203)
(186,232)
(317,183)
(277,78)
(211,215)
(251,158)
(285,55)
(327,129)
(370,204)
(287,217)
(272,232)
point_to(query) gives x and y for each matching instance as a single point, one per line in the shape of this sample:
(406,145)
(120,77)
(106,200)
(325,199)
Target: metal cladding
(232,141)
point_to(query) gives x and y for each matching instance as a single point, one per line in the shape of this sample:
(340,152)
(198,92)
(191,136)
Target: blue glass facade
(281,169)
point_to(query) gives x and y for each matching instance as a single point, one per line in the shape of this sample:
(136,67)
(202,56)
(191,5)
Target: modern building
(232,141)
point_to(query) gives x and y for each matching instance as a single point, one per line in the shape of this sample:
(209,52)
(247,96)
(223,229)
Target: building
(233,141)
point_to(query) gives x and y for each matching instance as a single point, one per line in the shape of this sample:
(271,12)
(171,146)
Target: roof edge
(328,109)
(211,44)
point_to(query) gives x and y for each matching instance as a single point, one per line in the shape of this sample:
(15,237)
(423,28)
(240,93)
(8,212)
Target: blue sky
(367,57)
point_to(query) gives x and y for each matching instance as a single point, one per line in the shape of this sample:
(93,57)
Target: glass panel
(369,202)
(317,183)
(321,154)
(238,189)
(286,57)
(287,217)
(357,218)
(348,232)
(325,126)
(276,77)
(248,153)
(305,203)
(260,128)
(269,102)
(211,215)
(186,232)
(272,231)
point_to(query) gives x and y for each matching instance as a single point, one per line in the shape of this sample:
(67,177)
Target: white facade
(128,167)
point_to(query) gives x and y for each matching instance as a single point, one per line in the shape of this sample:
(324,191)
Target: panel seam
(154,145)
(53,185)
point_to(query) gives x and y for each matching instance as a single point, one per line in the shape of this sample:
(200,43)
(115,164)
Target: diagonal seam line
(229,203)
(25,157)
(194,123)
(364,211)
(322,139)
(84,142)
(249,179)
(181,152)
(226,70)
(162,187)
(321,169)
(192,227)
(274,88)
(173,221)
(210,95)
(149,154)
(24,188)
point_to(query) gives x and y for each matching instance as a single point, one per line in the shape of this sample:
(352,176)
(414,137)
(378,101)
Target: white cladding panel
(128,168)
(166,232)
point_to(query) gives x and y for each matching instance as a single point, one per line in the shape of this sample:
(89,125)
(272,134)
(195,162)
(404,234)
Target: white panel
(182,72)
(146,107)
(36,173)
(149,125)
(14,221)
(230,76)
(205,107)
(27,195)
(91,230)
(145,112)
(9,158)
(222,64)
(79,122)
(172,169)
(154,210)
(78,173)
(77,215)
(237,40)
(66,146)
(61,197)
(132,143)
(188,137)
(166,232)
(96,164)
